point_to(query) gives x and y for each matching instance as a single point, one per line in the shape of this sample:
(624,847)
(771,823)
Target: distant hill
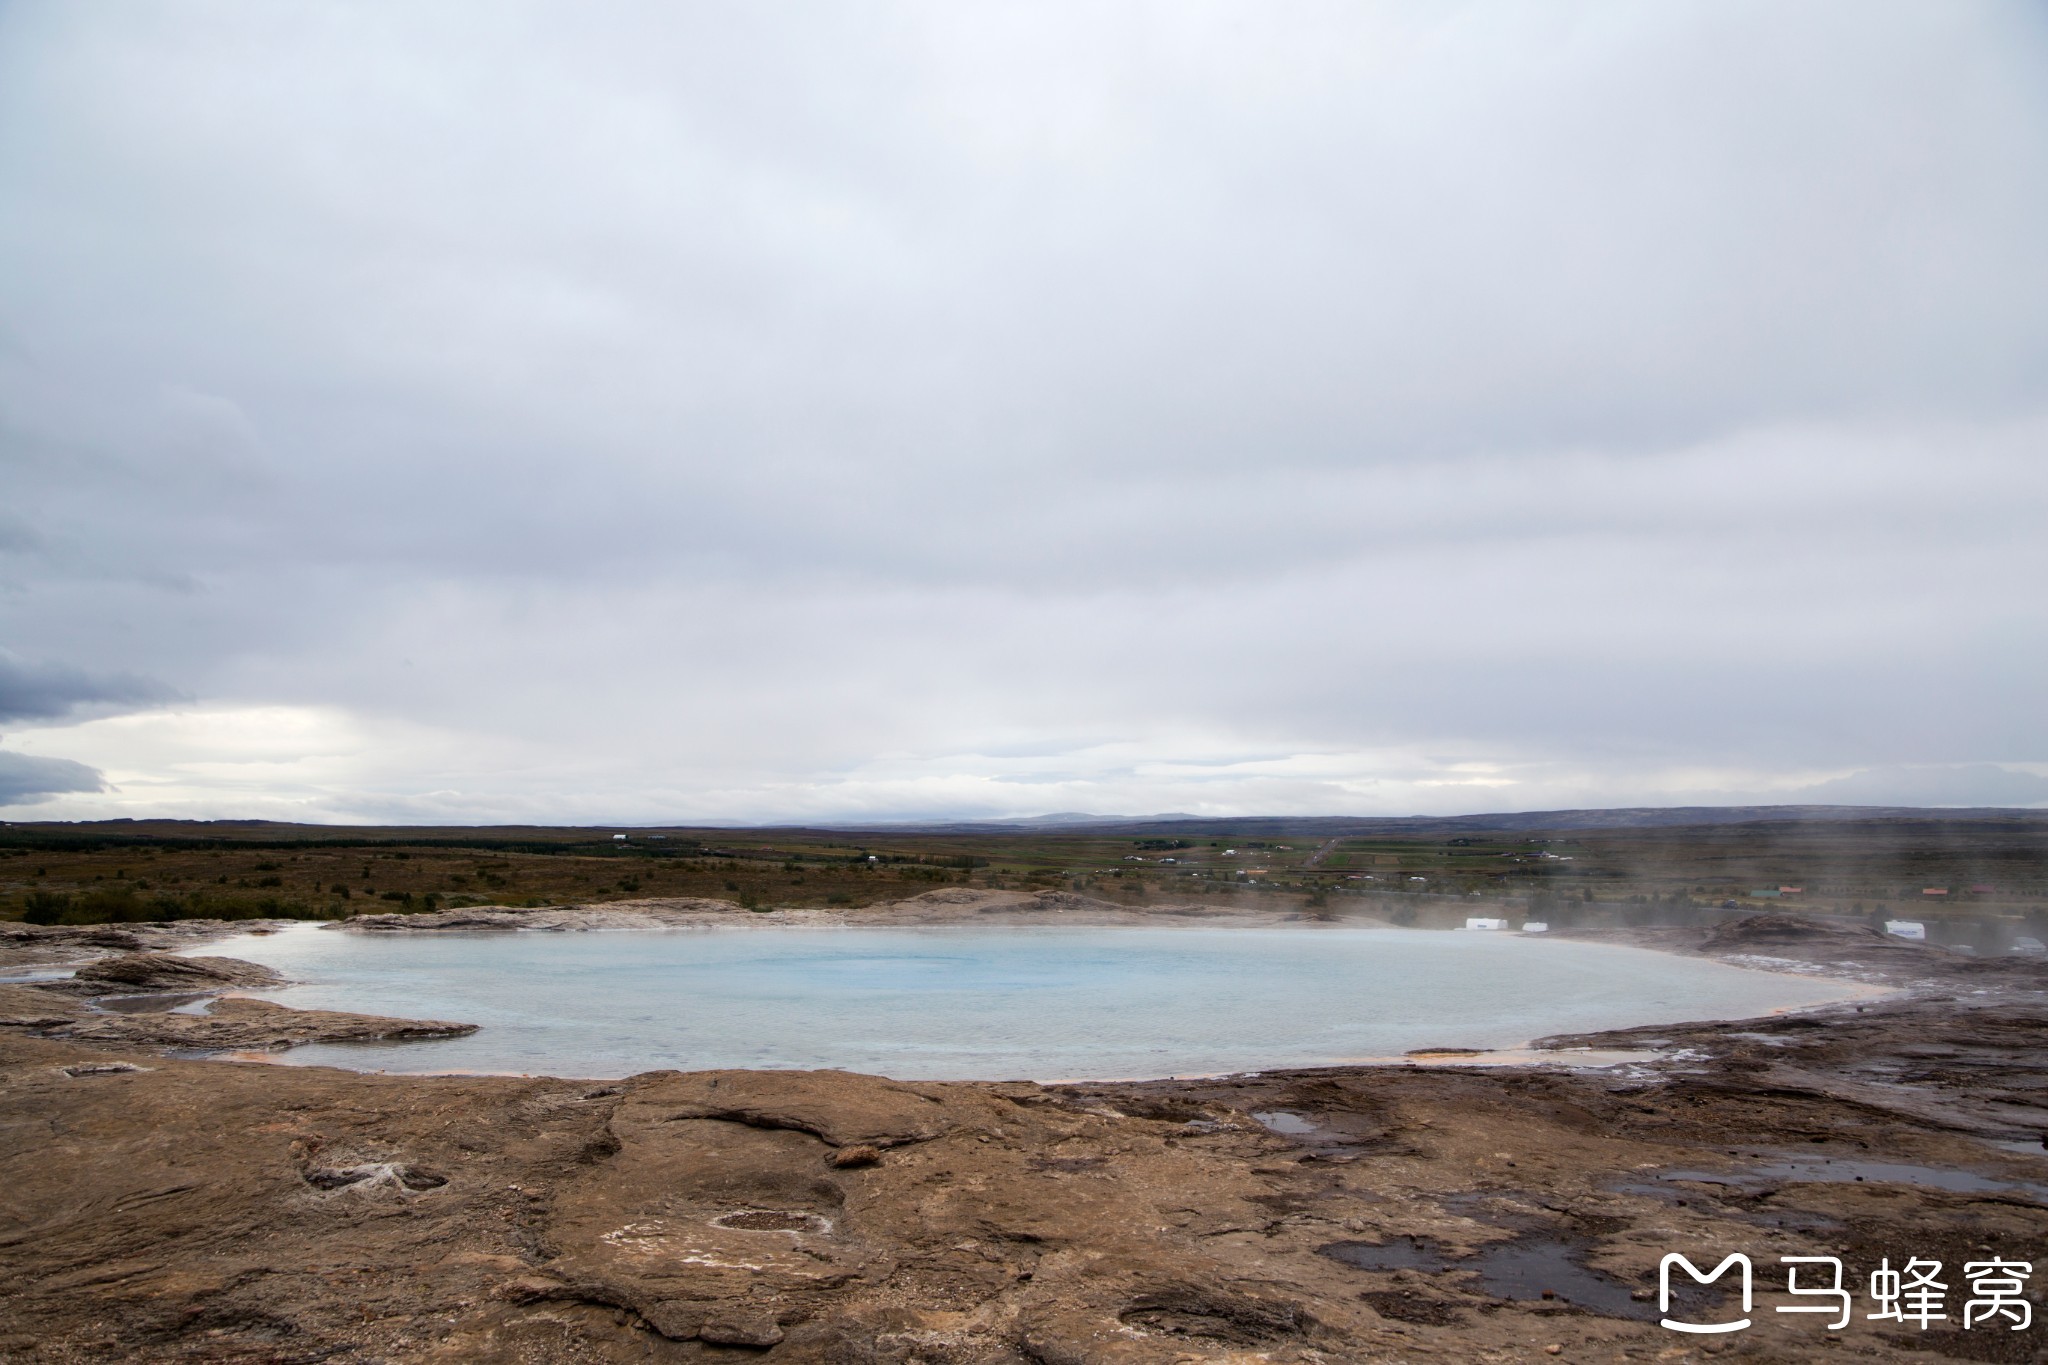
(1336,826)
(1079,822)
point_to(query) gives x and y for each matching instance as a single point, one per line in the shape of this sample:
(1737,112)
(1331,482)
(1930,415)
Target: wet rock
(1412,1306)
(247,1025)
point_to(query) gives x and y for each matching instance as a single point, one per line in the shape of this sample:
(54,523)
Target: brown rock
(825,1343)
(169,972)
(676,1319)
(30,1007)
(247,1025)
(850,1158)
(528,1289)
(844,1110)
(728,1328)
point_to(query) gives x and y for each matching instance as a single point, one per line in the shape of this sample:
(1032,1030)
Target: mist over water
(943,1003)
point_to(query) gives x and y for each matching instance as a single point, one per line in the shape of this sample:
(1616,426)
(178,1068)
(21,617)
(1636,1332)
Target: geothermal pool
(983,1002)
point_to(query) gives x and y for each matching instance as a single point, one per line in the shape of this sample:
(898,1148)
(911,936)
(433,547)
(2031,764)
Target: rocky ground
(155,1207)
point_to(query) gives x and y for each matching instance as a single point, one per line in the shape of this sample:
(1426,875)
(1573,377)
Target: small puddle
(1338,1135)
(2024,1146)
(771,1220)
(166,1002)
(1403,1253)
(1526,1268)
(1286,1123)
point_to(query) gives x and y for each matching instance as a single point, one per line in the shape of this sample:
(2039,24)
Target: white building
(1536,926)
(1478,922)
(1906,928)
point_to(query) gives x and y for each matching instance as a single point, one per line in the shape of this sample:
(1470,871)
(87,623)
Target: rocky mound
(57,945)
(27,1007)
(1777,932)
(234,1024)
(239,1024)
(149,972)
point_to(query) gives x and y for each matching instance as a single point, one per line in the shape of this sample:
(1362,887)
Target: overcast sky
(654,412)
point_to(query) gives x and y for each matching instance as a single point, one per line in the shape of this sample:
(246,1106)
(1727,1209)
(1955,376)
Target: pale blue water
(986,1002)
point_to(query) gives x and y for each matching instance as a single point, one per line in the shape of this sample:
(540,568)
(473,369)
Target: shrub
(121,905)
(108,905)
(46,907)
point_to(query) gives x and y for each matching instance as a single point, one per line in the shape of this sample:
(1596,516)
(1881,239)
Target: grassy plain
(1990,870)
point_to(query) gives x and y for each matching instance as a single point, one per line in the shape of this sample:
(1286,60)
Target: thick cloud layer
(43,691)
(24,778)
(493,412)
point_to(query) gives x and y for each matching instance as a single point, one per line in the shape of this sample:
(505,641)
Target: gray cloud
(31,691)
(25,778)
(1968,784)
(703,410)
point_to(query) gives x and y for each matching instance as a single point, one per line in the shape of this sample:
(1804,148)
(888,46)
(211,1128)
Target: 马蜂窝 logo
(1707,1277)
(1913,1293)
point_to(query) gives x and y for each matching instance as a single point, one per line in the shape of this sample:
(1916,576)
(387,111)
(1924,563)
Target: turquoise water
(937,1003)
